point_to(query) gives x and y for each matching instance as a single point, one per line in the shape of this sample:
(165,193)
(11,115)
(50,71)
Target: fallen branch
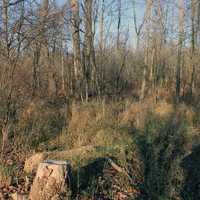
(119,169)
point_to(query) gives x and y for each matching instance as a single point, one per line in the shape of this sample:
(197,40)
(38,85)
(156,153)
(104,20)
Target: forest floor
(147,141)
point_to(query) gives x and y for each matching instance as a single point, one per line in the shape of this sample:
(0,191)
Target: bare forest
(100,99)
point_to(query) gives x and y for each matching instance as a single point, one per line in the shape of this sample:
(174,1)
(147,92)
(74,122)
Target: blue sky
(127,22)
(111,13)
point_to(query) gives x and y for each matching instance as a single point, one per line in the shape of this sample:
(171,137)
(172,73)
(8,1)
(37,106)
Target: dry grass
(111,129)
(135,114)
(108,125)
(163,109)
(95,124)
(104,124)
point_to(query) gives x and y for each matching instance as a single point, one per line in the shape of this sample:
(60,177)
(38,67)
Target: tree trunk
(194,21)
(75,26)
(90,67)
(119,24)
(39,43)
(101,45)
(180,44)
(5,128)
(35,68)
(146,59)
(5,24)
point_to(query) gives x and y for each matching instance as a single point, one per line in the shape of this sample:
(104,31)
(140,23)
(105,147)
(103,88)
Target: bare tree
(90,68)
(12,41)
(75,26)
(138,28)
(101,44)
(39,44)
(119,8)
(148,9)
(180,45)
(5,126)
(194,32)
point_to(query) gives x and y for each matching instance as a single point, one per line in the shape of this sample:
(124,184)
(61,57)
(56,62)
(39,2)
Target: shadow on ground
(86,178)
(191,165)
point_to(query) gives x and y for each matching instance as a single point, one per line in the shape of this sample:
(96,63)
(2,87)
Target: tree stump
(32,163)
(51,181)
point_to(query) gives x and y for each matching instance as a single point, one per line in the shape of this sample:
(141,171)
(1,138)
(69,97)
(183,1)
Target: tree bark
(75,26)
(5,24)
(90,67)
(102,26)
(149,5)
(194,21)
(119,23)
(39,43)
(180,44)
(5,128)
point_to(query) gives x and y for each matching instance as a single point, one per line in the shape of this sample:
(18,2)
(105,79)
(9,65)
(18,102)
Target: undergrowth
(149,140)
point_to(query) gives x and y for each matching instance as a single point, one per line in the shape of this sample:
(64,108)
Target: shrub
(39,122)
(162,147)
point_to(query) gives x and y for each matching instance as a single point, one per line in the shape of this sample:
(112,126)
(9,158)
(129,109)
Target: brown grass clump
(39,122)
(5,176)
(163,109)
(136,114)
(186,111)
(93,123)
